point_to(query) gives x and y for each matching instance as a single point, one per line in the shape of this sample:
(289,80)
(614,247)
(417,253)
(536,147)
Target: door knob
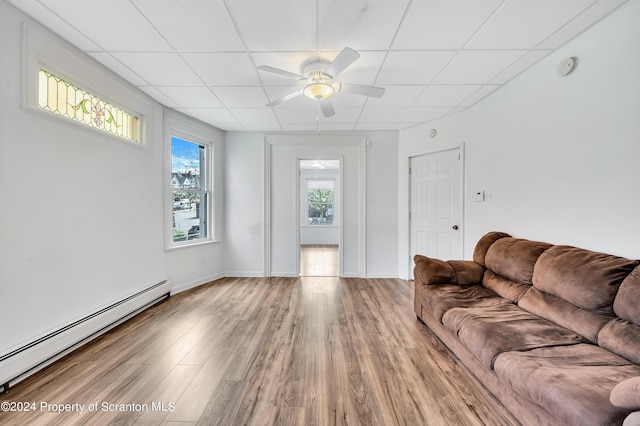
(455,227)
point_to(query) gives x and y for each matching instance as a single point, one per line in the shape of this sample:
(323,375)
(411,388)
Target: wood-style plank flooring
(264,351)
(317,260)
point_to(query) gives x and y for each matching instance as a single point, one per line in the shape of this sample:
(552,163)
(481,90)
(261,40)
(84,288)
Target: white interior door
(436,205)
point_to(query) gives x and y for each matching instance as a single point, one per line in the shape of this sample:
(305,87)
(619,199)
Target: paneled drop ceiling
(433,57)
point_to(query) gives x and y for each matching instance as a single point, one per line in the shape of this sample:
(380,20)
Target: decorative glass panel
(65,99)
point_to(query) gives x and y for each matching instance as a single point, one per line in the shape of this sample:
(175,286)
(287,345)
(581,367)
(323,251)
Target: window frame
(190,129)
(206,186)
(44,51)
(308,187)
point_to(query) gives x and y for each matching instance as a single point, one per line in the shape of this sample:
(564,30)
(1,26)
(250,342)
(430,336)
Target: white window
(190,191)
(320,201)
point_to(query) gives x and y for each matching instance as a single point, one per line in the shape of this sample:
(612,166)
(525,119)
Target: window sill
(192,245)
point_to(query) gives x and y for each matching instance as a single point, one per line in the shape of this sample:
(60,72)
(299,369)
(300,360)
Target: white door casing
(436,210)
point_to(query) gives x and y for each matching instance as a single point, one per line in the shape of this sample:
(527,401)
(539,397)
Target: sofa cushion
(621,337)
(626,394)
(438,299)
(483,245)
(514,258)
(510,290)
(563,313)
(571,382)
(627,302)
(584,278)
(487,330)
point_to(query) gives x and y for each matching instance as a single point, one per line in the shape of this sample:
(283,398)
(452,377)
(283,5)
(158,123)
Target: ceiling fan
(320,84)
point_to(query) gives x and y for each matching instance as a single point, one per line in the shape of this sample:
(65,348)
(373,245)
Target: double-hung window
(320,201)
(190,190)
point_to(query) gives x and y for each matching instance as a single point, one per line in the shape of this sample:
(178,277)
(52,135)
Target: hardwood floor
(318,260)
(264,351)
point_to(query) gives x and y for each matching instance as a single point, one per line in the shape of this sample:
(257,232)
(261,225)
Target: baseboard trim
(196,283)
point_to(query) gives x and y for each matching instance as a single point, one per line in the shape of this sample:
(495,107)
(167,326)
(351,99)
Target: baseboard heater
(25,360)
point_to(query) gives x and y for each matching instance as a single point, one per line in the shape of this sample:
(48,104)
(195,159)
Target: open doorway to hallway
(319,260)
(319,217)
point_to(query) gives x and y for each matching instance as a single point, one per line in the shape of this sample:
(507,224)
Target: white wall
(82,214)
(245,194)
(557,156)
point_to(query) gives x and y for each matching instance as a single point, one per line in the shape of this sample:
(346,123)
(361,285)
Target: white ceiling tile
(477,67)
(298,115)
(348,100)
(527,23)
(223,69)
(299,127)
(447,95)
(213,115)
(283,25)
(364,70)
(116,66)
(342,115)
(262,127)
(479,95)
(230,127)
(380,115)
(158,96)
(436,24)
(254,115)
(414,67)
(208,22)
(287,61)
(192,97)
(114,25)
(161,68)
(401,126)
(519,66)
(581,22)
(422,114)
(241,97)
(358,24)
(335,126)
(396,96)
(274,93)
(55,24)
(374,126)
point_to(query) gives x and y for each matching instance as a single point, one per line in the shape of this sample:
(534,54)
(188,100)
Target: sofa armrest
(430,271)
(632,419)
(626,394)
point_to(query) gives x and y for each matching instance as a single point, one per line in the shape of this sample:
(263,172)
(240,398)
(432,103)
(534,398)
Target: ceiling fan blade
(280,72)
(359,89)
(342,61)
(285,98)
(327,108)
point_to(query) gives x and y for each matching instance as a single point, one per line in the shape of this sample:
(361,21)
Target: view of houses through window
(190,190)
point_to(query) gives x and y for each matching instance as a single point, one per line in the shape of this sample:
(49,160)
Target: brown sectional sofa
(552,331)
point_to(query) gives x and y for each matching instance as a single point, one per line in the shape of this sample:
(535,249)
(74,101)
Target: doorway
(436,205)
(319,233)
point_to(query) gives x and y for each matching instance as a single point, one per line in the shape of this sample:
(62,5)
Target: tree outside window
(320,201)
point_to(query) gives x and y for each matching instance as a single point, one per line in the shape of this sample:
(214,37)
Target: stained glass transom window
(65,99)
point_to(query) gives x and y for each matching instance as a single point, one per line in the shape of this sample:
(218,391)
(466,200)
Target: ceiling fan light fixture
(319,91)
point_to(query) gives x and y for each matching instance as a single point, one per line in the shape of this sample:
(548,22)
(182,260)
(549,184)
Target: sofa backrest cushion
(622,335)
(514,259)
(627,302)
(584,278)
(484,243)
